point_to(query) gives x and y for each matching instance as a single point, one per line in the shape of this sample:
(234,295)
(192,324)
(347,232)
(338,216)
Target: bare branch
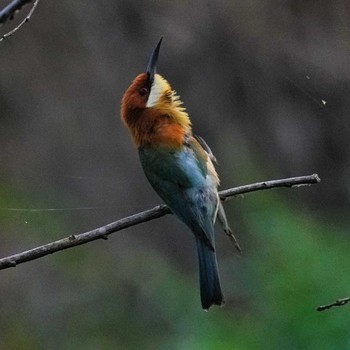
(156,212)
(9,11)
(338,302)
(290,182)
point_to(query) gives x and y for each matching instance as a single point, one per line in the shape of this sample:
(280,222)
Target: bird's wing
(187,182)
(221,215)
(206,147)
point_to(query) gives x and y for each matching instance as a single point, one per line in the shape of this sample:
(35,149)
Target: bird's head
(151,97)
(148,90)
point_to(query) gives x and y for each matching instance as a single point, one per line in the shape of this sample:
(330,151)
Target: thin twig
(156,212)
(290,182)
(9,11)
(338,302)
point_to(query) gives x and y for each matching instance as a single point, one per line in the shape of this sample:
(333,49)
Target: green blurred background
(252,75)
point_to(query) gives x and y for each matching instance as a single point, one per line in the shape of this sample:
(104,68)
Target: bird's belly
(179,168)
(182,185)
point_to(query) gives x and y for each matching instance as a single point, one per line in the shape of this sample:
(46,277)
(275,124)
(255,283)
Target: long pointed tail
(208,276)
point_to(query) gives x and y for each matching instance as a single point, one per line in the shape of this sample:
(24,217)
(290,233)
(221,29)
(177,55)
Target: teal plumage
(182,180)
(178,165)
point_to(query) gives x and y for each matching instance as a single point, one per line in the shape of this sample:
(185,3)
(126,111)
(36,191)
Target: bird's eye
(143,91)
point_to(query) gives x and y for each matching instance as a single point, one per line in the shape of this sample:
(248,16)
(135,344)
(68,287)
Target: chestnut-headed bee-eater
(178,165)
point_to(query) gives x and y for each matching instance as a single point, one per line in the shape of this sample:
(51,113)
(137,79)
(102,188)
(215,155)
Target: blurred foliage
(253,76)
(102,296)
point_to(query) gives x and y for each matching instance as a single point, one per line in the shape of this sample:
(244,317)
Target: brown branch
(266,185)
(9,11)
(338,302)
(156,212)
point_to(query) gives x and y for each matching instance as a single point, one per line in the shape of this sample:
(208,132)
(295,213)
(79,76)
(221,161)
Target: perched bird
(178,165)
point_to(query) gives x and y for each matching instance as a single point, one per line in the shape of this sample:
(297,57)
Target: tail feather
(208,276)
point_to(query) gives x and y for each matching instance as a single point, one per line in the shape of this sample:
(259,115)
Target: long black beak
(152,63)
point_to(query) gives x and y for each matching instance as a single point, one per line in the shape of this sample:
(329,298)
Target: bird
(179,166)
